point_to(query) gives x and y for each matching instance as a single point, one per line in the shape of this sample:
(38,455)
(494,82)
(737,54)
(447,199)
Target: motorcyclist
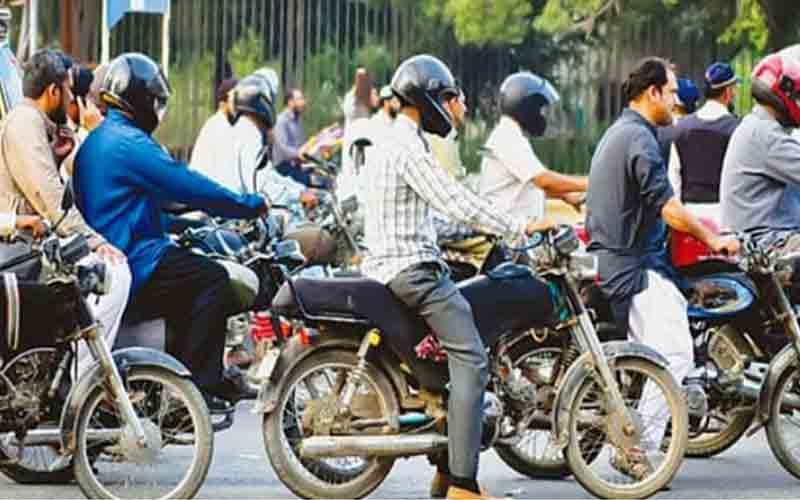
(123,178)
(512,176)
(760,187)
(406,185)
(630,203)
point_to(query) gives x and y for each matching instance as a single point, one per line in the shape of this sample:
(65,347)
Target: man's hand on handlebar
(309,199)
(536,226)
(109,252)
(34,223)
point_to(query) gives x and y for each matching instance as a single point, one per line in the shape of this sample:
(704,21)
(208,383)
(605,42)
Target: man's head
(252,97)
(776,85)
(526,98)
(135,85)
(388,102)
(221,94)
(423,84)
(687,97)
(48,82)
(651,89)
(720,83)
(295,101)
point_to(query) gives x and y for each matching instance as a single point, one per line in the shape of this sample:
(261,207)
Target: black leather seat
(350,298)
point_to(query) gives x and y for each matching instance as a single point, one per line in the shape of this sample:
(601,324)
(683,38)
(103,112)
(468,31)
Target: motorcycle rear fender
(783,361)
(582,368)
(125,360)
(294,352)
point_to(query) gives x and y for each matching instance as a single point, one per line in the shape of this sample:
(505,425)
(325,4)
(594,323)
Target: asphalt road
(241,470)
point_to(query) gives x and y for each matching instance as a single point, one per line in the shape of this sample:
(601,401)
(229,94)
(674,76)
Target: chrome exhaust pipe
(372,446)
(52,437)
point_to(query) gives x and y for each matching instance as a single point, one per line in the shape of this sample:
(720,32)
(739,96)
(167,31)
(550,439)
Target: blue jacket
(122,179)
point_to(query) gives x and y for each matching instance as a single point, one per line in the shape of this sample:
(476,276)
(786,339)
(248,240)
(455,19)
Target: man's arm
(556,185)
(170,180)
(436,186)
(678,217)
(783,158)
(36,175)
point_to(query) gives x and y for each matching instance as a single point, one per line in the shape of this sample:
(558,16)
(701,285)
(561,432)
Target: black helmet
(425,83)
(523,97)
(136,85)
(254,94)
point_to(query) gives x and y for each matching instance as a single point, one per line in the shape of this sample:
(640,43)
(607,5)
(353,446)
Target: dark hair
(224,87)
(649,71)
(82,79)
(46,67)
(713,93)
(290,94)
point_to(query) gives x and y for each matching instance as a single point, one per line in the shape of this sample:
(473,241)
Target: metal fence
(316,44)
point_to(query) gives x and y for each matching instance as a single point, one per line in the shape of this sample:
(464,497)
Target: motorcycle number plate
(267,364)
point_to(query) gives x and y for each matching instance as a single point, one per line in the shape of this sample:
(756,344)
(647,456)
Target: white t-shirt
(229,155)
(508,169)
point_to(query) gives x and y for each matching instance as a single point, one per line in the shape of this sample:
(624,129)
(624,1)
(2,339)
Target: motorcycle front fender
(291,355)
(582,368)
(784,360)
(125,360)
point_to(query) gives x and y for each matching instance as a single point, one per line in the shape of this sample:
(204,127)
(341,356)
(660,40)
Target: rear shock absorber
(357,375)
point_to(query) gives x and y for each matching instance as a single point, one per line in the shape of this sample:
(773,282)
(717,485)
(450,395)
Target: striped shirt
(405,186)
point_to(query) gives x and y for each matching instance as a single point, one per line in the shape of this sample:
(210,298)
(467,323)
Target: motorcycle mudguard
(125,360)
(743,289)
(784,360)
(581,368)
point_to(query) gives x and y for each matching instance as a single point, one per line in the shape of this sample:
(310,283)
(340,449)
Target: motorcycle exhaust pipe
(52,437)
(372,446)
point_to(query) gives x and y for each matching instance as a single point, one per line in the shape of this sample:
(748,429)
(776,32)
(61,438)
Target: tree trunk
(783,21)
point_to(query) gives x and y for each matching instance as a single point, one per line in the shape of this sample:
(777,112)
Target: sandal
(633,463)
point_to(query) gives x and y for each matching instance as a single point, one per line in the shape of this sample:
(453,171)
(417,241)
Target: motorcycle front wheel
(653,399)
(110,463)
(784,421)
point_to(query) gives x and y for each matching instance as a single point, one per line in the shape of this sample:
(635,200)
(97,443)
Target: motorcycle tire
(303,476)
(91,480)
(779,443)
(24,475)
(678,428)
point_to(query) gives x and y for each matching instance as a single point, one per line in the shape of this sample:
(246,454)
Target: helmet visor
(550,93)
(160,108)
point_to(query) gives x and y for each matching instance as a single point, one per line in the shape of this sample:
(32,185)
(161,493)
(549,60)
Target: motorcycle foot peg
(696,400)
(225,423)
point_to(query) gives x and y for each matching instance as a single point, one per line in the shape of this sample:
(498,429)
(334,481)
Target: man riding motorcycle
(512,176)
(123,178)
(761,173)
(629,204)
(406,185)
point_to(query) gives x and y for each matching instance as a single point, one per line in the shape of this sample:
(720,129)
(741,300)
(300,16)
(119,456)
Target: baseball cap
(720,75)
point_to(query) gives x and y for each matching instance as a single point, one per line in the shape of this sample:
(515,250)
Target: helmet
(425,83)
(253,95)
(136,85)
(776,82)
(270,76)
(524,97)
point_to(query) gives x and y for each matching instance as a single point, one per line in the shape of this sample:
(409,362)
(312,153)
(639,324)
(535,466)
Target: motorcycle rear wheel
(351,477)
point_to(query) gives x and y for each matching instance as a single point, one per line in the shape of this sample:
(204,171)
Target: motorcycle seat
(336,298)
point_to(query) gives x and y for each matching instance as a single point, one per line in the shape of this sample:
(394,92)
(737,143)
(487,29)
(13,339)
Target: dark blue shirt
(628,187)
(122,179)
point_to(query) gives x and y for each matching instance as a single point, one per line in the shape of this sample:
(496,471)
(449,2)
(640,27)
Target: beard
(58,116)
(664,117)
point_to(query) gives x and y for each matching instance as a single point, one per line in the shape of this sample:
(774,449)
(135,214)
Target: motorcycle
(111,426)
(364,387)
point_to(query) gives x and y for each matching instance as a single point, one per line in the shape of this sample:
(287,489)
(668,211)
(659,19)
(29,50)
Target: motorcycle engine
(24,383)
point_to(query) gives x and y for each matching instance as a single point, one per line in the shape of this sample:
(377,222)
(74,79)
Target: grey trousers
(428,289)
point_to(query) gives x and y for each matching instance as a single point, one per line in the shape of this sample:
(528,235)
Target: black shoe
(216,405)
(233,387)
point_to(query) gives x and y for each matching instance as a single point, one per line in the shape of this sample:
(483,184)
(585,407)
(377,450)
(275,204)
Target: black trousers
(193,294)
